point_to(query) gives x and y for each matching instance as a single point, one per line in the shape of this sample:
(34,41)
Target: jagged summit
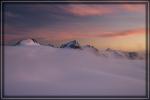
(89,46)
(72,44)
(28,42)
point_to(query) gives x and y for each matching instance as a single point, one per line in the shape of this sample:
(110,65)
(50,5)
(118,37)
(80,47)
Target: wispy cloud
(130,32)
(66,35)
(125,33)
(98,10)
(133,8)
(87,10)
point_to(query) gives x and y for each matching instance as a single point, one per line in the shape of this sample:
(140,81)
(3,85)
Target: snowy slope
(28,42)
(44,70)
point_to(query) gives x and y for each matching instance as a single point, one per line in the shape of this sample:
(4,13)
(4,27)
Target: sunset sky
(117,26)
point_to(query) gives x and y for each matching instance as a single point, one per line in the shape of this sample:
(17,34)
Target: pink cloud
(125,33)
(86,10)
(133,7)
(104,34)
(65,35)
(98,10)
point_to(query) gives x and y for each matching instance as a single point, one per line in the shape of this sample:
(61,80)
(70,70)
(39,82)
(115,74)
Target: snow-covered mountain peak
(90,48)
(121,54)
(72,44)
(28,42)
(109,50)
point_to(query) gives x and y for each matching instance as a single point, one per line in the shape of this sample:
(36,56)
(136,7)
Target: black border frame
(146,2)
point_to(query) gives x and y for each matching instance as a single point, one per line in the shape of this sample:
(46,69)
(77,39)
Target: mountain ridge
(74,44)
